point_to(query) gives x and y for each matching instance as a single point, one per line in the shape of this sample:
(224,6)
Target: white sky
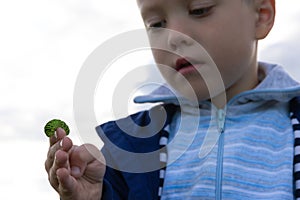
(43,44)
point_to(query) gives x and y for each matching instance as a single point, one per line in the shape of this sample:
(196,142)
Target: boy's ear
(265,10)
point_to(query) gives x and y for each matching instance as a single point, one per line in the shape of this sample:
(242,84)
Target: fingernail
(55,134)
(61,143)
(75,170)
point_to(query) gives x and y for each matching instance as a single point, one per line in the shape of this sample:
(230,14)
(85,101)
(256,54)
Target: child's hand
(75,172)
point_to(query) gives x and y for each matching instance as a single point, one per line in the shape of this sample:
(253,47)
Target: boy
(253,157)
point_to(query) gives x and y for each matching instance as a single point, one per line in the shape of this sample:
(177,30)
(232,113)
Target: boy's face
(226,29)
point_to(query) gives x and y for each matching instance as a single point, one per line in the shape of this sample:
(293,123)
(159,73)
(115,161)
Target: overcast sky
(43,45)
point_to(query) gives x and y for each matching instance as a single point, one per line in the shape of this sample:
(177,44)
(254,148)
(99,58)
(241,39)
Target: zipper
(213,134)
(219,173)
(221,117)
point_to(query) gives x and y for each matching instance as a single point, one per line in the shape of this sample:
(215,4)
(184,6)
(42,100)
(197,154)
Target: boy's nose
(178,39)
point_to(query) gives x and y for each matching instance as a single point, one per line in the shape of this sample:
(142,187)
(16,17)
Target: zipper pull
(213,134)
(221,116)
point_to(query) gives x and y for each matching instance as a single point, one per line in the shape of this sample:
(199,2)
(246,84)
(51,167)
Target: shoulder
(131,144)
(138,130)
(295,107)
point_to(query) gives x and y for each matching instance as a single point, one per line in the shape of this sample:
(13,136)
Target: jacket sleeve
(142,180)
(114,185)
(110,192)
(107,191)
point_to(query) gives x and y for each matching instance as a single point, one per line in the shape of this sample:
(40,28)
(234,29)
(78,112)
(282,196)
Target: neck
(247,82)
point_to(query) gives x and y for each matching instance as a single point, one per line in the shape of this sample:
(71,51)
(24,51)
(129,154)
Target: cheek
(162,59)
(233,54)
(231,41)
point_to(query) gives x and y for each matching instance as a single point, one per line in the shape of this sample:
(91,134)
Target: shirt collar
(276,84)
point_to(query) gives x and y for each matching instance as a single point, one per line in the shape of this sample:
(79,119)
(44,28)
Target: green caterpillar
(52,125)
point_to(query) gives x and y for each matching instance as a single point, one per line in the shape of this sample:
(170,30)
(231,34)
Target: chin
(191,93)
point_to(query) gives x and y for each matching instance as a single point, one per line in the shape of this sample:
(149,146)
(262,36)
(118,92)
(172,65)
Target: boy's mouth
(182,65)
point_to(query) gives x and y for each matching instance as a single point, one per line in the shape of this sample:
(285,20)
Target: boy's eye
(200,11)
(161,24)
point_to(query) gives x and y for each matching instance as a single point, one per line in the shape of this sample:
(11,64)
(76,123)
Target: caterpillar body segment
(52,125)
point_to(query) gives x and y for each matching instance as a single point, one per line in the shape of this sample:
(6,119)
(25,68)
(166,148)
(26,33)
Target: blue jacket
(119,181)
(130,185)
(132,152)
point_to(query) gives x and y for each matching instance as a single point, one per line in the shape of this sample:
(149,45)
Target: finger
(66,182)
(51,153)
(82,156)
(64,144)
(59,134)
(61,161)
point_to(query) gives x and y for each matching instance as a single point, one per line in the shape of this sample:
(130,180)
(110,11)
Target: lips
(183,63)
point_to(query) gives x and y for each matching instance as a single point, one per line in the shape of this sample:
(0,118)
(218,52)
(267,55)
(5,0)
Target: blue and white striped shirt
(253,158)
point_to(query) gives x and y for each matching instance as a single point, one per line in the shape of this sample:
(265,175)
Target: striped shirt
(257,154)
(253,157)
